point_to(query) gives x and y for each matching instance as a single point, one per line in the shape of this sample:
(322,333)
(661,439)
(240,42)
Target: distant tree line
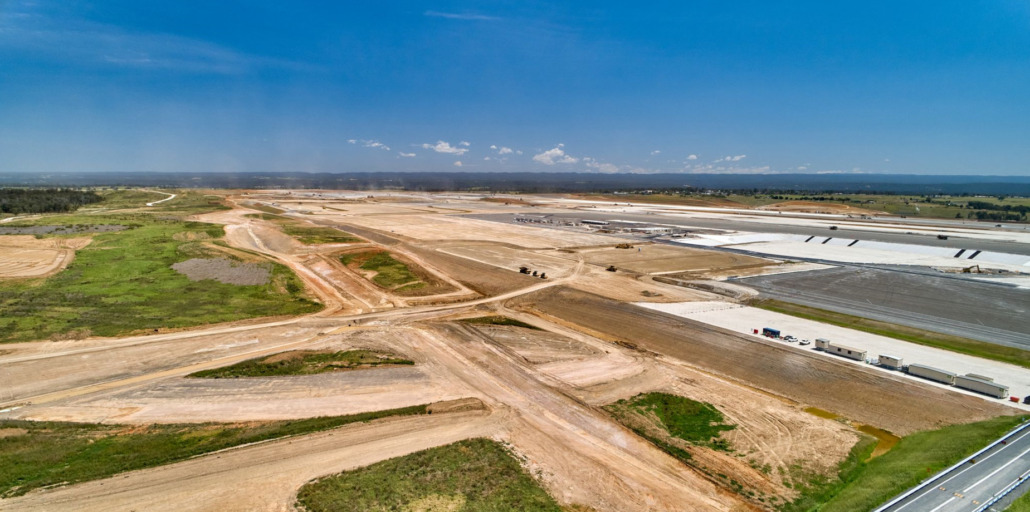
(984,205)
(44,200)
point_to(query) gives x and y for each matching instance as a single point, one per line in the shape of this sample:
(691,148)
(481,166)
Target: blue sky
(937,87)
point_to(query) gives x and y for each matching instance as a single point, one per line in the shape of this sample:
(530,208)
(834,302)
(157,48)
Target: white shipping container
(848,352)
(891,361)
(929,372)
(981,386)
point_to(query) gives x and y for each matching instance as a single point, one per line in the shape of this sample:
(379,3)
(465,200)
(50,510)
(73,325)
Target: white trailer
(929,372)
(848,352)
(894,363)
(595,222)
(981,386)
(822,343)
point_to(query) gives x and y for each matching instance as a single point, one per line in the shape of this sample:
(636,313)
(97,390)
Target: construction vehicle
(611,268)
(970,270)
(942,237)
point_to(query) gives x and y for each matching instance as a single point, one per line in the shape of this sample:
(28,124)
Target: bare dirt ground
(543,390)
(25,256)
(859,395)
(261,477)
(659,259)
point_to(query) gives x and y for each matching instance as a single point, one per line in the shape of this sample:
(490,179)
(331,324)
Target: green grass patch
(52,453)
(916,457)
(669,421)
(390,272)
(128,198)
(303,362)
(497,320)
(314,235)
(1022,504)
(123,282)
(958,344)
(472,476)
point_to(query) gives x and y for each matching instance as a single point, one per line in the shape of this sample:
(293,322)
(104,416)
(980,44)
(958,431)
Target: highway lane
(970,485)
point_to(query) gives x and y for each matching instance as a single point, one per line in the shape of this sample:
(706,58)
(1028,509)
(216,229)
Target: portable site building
(929,372)
(981,386)
(822,343)
(848,352)
(894,363)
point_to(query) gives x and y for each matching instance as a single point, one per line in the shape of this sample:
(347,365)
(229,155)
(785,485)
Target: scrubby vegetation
(473,475)
(314,235)
(123,282)
(303,362)
(696,422)
(17,201)
(390,273)
(42,454)
(497,320)
(914,458)
(958,344)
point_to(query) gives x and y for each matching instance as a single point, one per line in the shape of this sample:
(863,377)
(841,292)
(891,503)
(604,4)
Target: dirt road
(261,477)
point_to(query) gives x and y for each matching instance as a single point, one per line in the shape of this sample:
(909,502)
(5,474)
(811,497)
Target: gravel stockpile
(61,230)
(224,271)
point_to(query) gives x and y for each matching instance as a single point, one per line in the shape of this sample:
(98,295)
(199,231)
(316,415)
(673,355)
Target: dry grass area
(817,207)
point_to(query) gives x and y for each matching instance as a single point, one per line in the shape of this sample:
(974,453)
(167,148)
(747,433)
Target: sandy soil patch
(648,258)
(223,271)
(25,256)
(440,227)
(512,258)
(537,347)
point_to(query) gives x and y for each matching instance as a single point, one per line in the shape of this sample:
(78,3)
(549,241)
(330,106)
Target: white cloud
(460,16)
(802,168)
(352,141)
(406,155)
(493,146)
(446,147)
(505,151)
(692,157)
(555,155)
(655,152)
(465,143)
(375,144)
(735,158)
(519,152)
(486,158)
(457,163)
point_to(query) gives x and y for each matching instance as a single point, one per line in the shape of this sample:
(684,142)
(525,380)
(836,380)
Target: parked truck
(981,386)
(931,373)
(769,332)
